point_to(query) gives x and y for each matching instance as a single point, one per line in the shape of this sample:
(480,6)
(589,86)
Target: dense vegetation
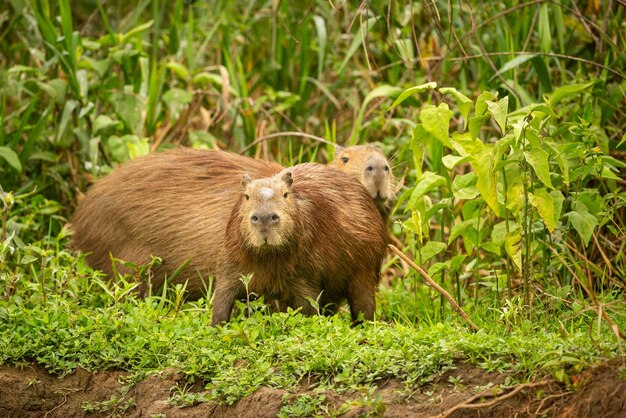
(505,121)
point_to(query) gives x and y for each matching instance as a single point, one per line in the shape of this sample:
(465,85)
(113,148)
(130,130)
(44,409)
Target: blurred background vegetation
(87,84)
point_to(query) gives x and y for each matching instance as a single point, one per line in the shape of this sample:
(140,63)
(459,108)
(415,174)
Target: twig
(279,134)
(434,284)
(469,405)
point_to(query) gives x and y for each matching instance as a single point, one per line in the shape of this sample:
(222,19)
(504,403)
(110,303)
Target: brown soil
(464,391)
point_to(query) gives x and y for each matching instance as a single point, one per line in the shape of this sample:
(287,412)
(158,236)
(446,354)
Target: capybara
(370,166)
(176,205)
(307,232)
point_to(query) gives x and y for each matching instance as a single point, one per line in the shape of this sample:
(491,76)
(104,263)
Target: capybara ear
(287,178)
(245,181)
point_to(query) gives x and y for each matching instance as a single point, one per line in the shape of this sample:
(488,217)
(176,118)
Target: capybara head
(266,212)
(368,165)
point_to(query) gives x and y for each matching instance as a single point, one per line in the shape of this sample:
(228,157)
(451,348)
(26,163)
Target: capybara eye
(370,168)
(254,218)
(275,217)
(345,160)
(285,195)
(386,169)
(246,196)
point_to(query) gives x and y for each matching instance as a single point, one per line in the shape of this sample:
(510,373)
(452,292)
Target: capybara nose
(265,219)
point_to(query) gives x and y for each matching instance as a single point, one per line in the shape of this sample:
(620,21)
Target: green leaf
(431,249)
(464,186)
(567,91)
(450,161)
(462,101)
(436,122)
(499,231)
(583,222)
(542,200)
(622,141)
(513,247)
(411,91)
(322,38)
(177,96)
(545,38)
(499,111)
(428,182)
(537,158)
(476,123)
(481,102)
(27,259)
(180,70)
(515,62)
(11,158)
(103,122)
(459,228)
(483,165)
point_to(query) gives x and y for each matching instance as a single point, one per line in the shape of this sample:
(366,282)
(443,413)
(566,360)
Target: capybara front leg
(226,291)
(361,298)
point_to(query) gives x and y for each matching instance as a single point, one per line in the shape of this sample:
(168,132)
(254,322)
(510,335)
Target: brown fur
(174,205)
(368,165)
(329,238)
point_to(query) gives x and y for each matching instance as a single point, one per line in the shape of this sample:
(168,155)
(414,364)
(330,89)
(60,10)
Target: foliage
(504,119)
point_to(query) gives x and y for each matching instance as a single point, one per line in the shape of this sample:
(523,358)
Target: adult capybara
(307,232)
(174,205)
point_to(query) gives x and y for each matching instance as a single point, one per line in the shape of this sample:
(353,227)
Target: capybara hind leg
(226,291)
(361,299)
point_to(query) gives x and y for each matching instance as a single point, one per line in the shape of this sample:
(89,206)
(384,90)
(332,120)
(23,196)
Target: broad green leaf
(483,165)
(435,269)
(11,158)
(537,158)
(545,38)
(481,102)
(456,262)
(584,223)
(429,181)
(622,141)
(462,101)
(464,186)
(99,66)
(450,161)
(557,200)
(431,249)
(515,196)
(63,139)
(27,259)
(513,247)
(436,121)
(476,123)
(103,122)
(542,200)
(499,231)
(177,96)
(499,111)
(411,91)
(492,247)
(567,91)
(459,228)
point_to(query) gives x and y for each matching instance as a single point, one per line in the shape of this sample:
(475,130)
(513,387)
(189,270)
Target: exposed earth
(464,391)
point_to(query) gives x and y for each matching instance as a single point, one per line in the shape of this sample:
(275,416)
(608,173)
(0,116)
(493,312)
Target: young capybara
(307,232)
(370,166)
(176,205)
